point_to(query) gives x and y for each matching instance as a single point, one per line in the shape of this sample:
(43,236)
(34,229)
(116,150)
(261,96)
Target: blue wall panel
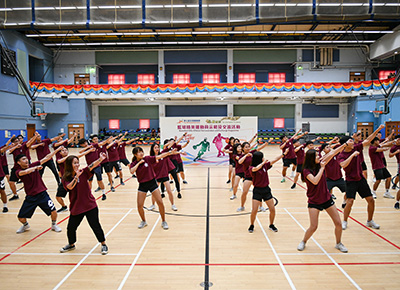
(195,56)
(320,111)
(196,111)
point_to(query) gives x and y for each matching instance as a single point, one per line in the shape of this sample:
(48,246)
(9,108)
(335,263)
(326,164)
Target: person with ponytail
(239,171)
(319,197)
(82,202)
(143,166)
(172,170)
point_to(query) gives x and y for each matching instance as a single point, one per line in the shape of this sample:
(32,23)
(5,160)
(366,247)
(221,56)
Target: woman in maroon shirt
(228,149)
(143,166)
(318,195)
(239,172)
(82,202)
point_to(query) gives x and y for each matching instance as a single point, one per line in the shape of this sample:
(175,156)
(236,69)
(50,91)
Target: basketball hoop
(42,116)
(377,113)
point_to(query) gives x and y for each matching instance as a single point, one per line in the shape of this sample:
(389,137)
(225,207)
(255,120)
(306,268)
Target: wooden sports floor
(153,258)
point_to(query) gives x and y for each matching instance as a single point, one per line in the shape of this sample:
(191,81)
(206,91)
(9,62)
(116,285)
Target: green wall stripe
(265,111)
(127,57)
(22,64)
(262,56)
(128,112)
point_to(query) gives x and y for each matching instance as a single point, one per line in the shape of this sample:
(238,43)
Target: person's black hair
(135,151)
(20,136)
(13,139)
(282,136)
(257,158)
(323,146)
(81,141)
(296,141)
(236,139)
(374,140)
(235,148)
(309,163)
(308,143)
(344,139)
(397,137)
(152,153)
(166,141)
(19,156)
(94,136)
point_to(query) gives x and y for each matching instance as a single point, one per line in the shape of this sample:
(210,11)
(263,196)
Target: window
(144,123)
(181,79)
(277,77)
(247,78)
(211,79)
(113,124)
(145,79)
(116,79)
(384,74)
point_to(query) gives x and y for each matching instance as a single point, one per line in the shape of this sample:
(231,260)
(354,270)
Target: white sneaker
(233,197)
(174,208)
(341,248)
(344,225)
(240,208)
(142,225)
(151,207)
(373,225)
(164,225)
(56,228)
(374,179)
(373,194)
(23,228)
(263,209)
(231,189)
(388,195)
(301,246)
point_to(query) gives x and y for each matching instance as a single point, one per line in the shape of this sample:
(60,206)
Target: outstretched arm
(97,162)
(50,155)
(186,144)
(32,140)
(346,163)
(299,136)
(254,137)
(373,135)
(132,140)
(180,139)
(326,158)
(70,140)
(30,170)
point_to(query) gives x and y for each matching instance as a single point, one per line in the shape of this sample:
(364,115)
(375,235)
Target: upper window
(114,79)
(145,79)
(181,79)
(385,74)
(247,78)
(277,77)
(211,79)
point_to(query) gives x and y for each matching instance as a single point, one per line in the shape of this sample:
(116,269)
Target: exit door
(30,129)
(79,129)
(366,129)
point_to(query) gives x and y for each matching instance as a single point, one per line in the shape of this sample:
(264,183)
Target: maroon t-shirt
(121,151)
(80,197)
(2,174)
(246,164)
(161,168)
(392,150)
(332,169)
(170,165)
(61,166)
(361,152)
(317,194)
(103,149)
(33,182)
(238,167)
(177,157)
(376,158)
(291,153)
(260,177)
(43,150)
(64,143)
(353,170)
(3,157)
(229,147)
(113,152)
(92,156)
(145,171)
(22,150)
(300,155)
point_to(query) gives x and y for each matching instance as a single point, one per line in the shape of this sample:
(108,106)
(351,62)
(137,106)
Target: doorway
(79,129)
(366,129)
(392,126)
(30,129)
(82,79)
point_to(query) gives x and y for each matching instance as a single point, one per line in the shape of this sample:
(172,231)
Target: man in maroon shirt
(350,161)
(3,149)
(3,158)
(122,154)
(113,158)
(36,194)
(290,155)
(357,137)
(20,148)
(395,151)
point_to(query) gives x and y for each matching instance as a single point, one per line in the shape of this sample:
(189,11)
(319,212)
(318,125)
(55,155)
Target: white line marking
(323,254)
(138,255)
(326,253)
(69,254)
(276,256)
(90,252)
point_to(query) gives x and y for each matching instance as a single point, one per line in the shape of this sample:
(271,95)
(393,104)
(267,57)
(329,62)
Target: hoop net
(42,116)
(376,113)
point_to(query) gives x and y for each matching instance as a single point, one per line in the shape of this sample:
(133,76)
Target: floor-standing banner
(208,136)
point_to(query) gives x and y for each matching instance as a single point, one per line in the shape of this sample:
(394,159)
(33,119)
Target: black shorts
(384,161)
(148,186)
(61,191)
(240,174)
(232,162)
(97,172)
(363,166)
(162,179)
(2,183)
(262,193)
(361,186)
(287,162)
(179,167)
(105,167)
(30,203)
(248,178)
(382,173)
(114,164)
(299,168)
(340,183)
(124,161)
(13,176)
(322,206)
(5,170)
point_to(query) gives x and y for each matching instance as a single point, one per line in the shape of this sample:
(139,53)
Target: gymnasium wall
(131,71)
(68,63)
(196,111)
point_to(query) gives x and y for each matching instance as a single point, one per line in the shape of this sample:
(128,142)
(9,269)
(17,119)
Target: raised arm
(326,158)
(299,136)
(92,149)
(186,144)
(50,155)
(252,139)
(34,146)
(241,160)
(373,135)
(180,139)
(85,149)
(97,162)
(29,170)
(259,166)
(74,181)
(70,140)
(132,140)
(315,179)
(393,154)
(165,154)
(6,147)
(9,140)
(346,163)
(134,168)
(32,140)
(279,157)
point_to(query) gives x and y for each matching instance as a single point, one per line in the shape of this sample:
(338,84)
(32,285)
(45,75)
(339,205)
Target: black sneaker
(64,208)
(116,177)
(19,181)
(185,182)
(97,189)
(396,205)
(229,181)
(104,197)
(179,195)
(293,186)
(14,197)
(394,186)
(134,176)
(251,229)
(112,189)
(273,228)
(122,183)
(343,205)
(333,196)
(67,248)
(104,249)
(5,209)
(162,195)
(171,181)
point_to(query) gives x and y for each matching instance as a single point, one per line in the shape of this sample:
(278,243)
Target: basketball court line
(276,256)
(90,252)
(121,285)
(326,253)
(206,283)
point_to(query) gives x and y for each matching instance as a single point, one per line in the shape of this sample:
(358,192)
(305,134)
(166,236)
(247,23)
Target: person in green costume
(205,145)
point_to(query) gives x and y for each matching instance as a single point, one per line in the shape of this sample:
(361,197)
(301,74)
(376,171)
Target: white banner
(207,135)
